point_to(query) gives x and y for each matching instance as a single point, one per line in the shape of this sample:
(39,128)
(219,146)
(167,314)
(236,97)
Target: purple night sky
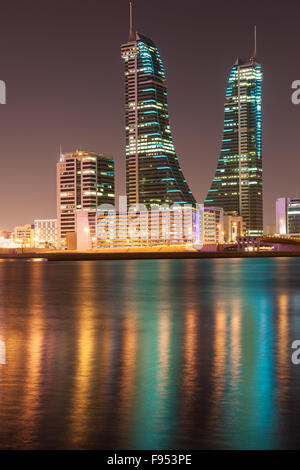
(64,75)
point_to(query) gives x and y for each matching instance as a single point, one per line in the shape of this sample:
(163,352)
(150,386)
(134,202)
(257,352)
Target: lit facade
(83,232)
(249,244)
(24,236)
(45,233)
(270,230)
(281,216)
(153,174)
(155,228)
(7,240)
(213,226)
(293,216)
(85,180)
(287,216)
(234,227)
(237,185)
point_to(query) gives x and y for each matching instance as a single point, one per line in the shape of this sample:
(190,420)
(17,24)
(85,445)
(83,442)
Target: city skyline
(34,142)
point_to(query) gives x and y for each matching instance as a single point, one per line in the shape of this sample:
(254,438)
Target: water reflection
(33,351)
(84,357)
(150,354)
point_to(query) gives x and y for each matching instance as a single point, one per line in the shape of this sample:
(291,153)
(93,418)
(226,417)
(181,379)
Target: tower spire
(131,35)
(255,44)
(60,153)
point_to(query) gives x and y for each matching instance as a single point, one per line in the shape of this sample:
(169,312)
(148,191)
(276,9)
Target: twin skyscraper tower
(153,173)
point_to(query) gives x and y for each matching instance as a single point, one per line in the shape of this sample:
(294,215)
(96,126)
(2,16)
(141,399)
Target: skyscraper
(153,174)
(237,185)
(84,181)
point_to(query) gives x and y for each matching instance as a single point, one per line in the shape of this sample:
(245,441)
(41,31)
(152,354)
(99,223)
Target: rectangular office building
(85,180)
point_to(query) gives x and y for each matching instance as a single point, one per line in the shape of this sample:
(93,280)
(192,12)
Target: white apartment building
(45,233)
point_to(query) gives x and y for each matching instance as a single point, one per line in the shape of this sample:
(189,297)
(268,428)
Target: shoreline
(93,256)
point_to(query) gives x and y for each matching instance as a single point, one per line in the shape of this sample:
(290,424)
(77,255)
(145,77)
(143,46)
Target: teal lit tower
(237,185)
(153,174)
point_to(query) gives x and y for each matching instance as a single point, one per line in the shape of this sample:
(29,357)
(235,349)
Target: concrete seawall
(90,256)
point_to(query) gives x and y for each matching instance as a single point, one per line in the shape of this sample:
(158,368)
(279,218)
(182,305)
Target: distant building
(24,236)
(288,216)
(83,233)
(234,227)
(248,243)
(5,235)
(213,226)
(7,240)
(281,216)
(85,180)
(45,233)
(71,241)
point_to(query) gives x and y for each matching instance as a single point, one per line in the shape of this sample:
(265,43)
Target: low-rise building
(24,236)
(234,227)
(213,226)
(45,233)
(146,229)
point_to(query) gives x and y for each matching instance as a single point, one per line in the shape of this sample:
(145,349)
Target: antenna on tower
(60,153)
(131,35)
(255,44)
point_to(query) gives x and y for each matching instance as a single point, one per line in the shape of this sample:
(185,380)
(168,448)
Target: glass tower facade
(237,185)
(287,216)
(294,215)
(153,174)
